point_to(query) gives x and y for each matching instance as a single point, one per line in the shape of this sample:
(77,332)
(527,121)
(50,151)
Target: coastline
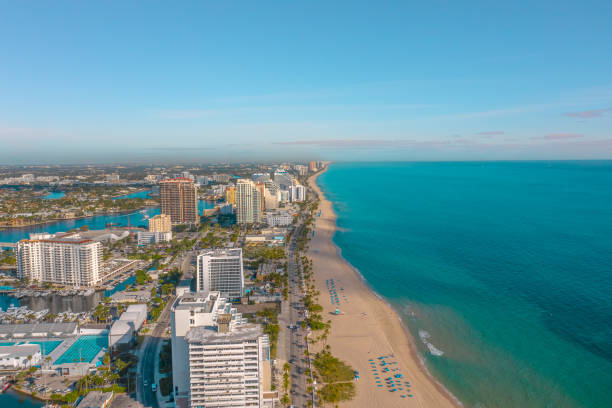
(368,326)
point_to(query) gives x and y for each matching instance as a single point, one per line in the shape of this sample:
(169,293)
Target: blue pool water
(87,347)
(7,343)
(47,346)
(501,271)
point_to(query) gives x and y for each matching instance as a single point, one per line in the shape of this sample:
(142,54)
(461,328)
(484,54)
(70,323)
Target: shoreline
(81,217)
(388,324)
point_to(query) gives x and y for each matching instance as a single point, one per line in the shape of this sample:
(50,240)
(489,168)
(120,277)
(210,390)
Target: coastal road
(297,334)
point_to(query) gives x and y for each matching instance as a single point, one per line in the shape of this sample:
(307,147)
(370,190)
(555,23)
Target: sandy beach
(367,329)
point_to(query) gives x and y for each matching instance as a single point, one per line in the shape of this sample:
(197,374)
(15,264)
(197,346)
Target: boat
(6,386)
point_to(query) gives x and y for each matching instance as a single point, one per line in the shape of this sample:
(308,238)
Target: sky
(154,81)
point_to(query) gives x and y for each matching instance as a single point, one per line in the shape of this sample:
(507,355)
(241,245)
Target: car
(146,383)
(356,374)
(153,387)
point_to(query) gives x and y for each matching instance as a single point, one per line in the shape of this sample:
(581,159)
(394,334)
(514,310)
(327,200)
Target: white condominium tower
(221,270)
(297,192)
(66,260)
(249,200)
(218,359)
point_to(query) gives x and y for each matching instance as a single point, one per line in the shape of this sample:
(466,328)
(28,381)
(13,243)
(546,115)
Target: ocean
(502,271)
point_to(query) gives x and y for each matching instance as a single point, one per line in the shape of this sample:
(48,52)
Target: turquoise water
(47,346)
(54,195)
(121,286)
(501,271)
(136,218)
(87,347)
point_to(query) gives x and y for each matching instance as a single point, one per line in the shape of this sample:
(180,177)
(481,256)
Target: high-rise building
(221,270)
(230,195)
(248,202)
(179,200)
(218,358)
(271,195)
(297,193)
(313,166)
(160,223)
(283,179)
(66,260)
(263,177)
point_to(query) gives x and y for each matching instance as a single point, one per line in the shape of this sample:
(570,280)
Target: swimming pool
(87,347)
(47,346)
(7,343)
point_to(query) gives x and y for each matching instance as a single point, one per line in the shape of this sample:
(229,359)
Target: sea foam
(425,336)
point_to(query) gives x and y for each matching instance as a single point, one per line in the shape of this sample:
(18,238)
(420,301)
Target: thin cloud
(491,133)
(558,136)
(587,114)
(365,143)
(179,149)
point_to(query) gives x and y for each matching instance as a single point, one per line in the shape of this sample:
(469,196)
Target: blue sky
(340,80)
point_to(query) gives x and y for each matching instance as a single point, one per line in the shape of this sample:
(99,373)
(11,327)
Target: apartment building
(221,270)
(249,202)
(179,200)
(160,223)
(218,358)
(64,260)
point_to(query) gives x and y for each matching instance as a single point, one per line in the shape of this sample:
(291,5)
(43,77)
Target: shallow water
(501,271)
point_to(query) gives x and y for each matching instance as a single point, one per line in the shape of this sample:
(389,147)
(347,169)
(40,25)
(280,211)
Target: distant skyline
(95,82)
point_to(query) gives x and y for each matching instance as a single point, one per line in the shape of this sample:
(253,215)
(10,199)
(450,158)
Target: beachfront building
(271,195)
(179,200)
(221,270)
(297,193)
(249,200)
(160,223)
(283,179)
(218,359)
(64,260)
(313,166)
(279,219)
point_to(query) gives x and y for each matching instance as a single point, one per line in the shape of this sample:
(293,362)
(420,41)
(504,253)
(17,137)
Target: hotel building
(179,200)
(221,270)
(66,260)
(218,359)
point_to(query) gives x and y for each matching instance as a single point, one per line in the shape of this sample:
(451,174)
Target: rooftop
(237,333)
(21,330)
(222,252)
(19,351)
(95,399)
